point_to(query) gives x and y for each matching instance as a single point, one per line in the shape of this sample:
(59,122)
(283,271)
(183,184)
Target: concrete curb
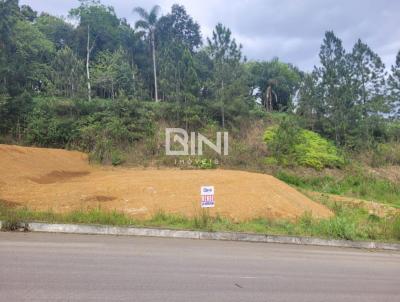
(227,236)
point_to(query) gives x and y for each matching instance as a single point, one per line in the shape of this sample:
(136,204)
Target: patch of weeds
(373,218)
(205,163)
(117,158)
(350,222)
(98,216)
(11,225)
(338,227)
(396,228)
(306,220)
(203,221)
(357,185)
(162,219)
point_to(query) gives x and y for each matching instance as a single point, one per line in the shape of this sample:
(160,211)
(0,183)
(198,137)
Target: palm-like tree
(148,23)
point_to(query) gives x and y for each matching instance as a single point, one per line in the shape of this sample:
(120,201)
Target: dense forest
(94,82)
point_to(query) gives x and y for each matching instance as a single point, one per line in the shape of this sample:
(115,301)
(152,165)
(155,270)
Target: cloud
(290,30)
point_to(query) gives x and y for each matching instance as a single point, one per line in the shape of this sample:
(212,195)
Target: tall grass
(349,222)
(355,185)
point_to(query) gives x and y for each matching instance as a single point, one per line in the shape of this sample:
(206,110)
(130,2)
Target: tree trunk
(186,116)
(88,50)
(154,65)
(223,107)
(112,90)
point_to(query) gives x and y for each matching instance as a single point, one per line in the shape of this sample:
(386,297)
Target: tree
(89,50)
(310,103)
(28,13)
(334,80)
(274,78)
(369,91)
(9,16)
(56,30)
(148,23)
(112,73)
(33,54)
(368,77)
(137,56)
(179,28)
(68,72)
(14,112)
(98,27)
(103,23)
(226,55)
(176,34)
(345,97)
(188,87)
(394,86)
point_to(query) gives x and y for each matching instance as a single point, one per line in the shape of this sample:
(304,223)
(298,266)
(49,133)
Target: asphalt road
(56,267)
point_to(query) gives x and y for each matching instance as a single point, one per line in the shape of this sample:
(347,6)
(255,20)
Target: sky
(291,30)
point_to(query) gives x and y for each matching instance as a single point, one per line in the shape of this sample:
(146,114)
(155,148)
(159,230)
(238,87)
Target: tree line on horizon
(349,98)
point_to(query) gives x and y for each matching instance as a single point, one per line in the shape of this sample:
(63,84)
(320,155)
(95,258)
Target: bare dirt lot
(60,180)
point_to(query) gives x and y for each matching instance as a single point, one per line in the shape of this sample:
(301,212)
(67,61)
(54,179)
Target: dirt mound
(36,163)
(62,181)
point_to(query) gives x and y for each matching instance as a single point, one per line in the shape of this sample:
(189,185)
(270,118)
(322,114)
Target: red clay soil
(61,181)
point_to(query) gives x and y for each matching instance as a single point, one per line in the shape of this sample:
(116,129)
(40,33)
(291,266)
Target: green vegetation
(62,76)
(291,145)
(357,185)
(205,163)
(386,154)
(350,222)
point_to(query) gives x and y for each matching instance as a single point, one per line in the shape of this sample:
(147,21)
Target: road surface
(57,267)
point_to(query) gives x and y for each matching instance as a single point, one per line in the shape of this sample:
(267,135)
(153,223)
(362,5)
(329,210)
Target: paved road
(55,267)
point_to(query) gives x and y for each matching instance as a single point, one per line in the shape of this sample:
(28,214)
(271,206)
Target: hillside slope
(63,180)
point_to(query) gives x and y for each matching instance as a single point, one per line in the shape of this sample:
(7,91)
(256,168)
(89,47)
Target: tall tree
(226,55)
(103,23)
(176,34)
(97,30)
(68,72)
(394,86)
(56,29)
(369,90)
(368,75)
(28,13)
(148,23)
(112,73)
(178,27)
(33,55)
(9,16)
(277,78)
(335,85)
(310,103)
(89,49)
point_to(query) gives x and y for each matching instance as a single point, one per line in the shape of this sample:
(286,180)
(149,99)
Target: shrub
(358,185)
(291,145)
(386,154)
(203,220)
(339,227)
(396,228)
(117,158)
(14,112)
(205,163)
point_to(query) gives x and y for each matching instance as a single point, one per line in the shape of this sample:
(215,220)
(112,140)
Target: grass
(350,222)
(357,185)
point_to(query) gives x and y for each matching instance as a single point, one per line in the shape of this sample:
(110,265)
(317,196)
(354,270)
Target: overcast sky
(291,30)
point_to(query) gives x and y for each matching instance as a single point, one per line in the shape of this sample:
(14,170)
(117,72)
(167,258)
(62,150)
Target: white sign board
(207,197)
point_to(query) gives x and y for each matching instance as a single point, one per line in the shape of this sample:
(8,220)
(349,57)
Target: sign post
(207,197)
